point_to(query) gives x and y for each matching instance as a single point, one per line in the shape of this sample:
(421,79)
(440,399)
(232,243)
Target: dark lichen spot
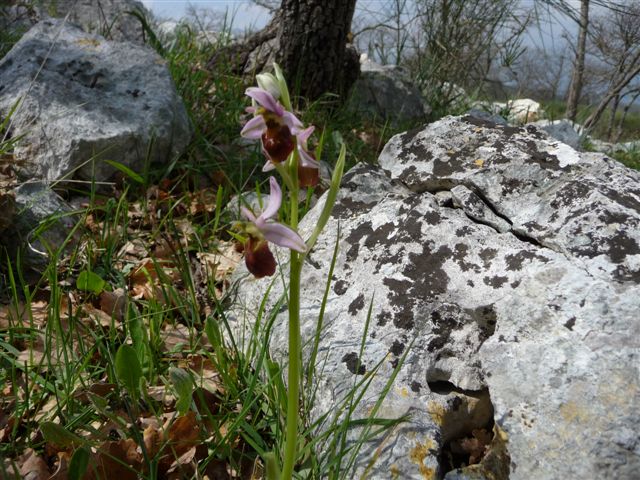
(357,304)
(445,319)
(432,217)
(488,254)
(464,231)
(486,318)
(340,287)
(515,261)
(353,364)
(382,318)
(424,279)
(347,207)
(459,255)
(416,386)
(544,159)
(515,284)
(570,323)
(397,348)
(496,281)
(570,192)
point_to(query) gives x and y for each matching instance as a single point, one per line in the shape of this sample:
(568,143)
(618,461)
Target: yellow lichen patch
(573,412)
(479,162)
(88,42)
(417,456)
(403,392)
(437,412)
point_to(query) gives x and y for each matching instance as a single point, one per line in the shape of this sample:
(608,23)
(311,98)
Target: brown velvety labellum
(308,176)
(259,259)
(278,143)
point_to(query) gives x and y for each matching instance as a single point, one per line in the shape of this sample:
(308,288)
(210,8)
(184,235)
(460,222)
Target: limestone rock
(524,110)
(41,223)
(386,93)
(488,116)
(530,332)
(85,100)
(109,18)
(562,130)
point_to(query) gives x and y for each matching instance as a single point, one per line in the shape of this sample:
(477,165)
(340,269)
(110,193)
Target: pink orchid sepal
(263,229)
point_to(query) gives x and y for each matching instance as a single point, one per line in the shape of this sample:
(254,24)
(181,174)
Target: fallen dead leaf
(119,460)
(184,433)
(221,264)
(23,315)
(114,304)
(174,335)
(33,466)
(203,201)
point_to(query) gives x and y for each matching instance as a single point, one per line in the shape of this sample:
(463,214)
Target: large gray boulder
(85,100)
(385,92)
(109,18)
(507,266)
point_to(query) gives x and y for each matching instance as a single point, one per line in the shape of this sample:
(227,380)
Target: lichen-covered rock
(385,93)
(518,317)
(86,100)
(109,18)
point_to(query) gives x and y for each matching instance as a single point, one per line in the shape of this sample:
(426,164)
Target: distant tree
(542,72)
(615,48)
(384,30)
(462,41)
(575,87)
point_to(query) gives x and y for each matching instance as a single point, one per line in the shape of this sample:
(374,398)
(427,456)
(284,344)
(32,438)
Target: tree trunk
(625,111)
(575,88)
(312,46)
(612,117)
(309,39)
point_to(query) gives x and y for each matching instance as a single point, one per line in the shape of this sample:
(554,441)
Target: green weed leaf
(58,435)
(183,385)
(90,282)
(78,464)
(127,171)
(128,369)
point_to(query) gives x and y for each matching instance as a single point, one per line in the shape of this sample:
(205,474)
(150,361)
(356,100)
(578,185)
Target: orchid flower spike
(262,229)
(273,124)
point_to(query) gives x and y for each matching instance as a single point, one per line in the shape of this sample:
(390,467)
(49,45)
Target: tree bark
(310,41)
(575,88)
(612,117)
(312,46)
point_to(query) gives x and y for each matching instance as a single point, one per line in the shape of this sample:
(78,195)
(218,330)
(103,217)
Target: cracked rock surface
(86,100)
(514,298)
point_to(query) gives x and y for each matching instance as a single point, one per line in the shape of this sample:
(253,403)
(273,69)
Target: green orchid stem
(293,387)
(295,356)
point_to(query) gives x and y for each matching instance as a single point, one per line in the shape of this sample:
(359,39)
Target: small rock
(386,93)
(562,130)
(42,223)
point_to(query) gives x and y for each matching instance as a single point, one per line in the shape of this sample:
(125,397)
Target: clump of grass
(631,158)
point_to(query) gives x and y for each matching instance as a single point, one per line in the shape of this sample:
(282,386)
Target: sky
(245,14)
